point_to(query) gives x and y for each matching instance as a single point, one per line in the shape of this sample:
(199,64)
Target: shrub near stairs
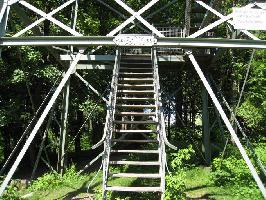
(175,184)
(53,180)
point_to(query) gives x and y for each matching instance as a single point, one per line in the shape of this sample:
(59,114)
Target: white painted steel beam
(134,15)
(94,66)
(137,16)
(111,58)
(3,9)
(108,41)
(43,18)
(211,26)
(229,21)
(39,124)
(228,125)
(50,18)
(90,57)
(91,87)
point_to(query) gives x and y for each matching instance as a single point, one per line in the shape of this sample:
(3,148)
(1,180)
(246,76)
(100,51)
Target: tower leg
(63,131)
(206,126)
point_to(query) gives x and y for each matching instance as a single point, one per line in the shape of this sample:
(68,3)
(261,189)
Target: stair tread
(135,141)
(134,151)
(135,63)
(135,106)
(135,85)
(127,162)
(130,79)
(135,73)
(136,91)
(134,189)
(136,113)
(134,175)
(137,68)
(135,131)
(134,99)
(135,122)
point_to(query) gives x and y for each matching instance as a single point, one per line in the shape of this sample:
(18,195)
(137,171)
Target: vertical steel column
(63,131)
(4,12)
(206,126)
(62,155)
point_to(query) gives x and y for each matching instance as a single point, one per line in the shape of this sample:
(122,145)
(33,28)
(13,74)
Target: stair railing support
(109,125)
(160,117)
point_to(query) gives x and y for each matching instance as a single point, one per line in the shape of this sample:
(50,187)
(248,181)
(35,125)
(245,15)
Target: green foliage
(230,170)
(175,186)
(98,194)
(53,180)
(48,72)
(253,115)
(3,117)
(233,172)
(179,160)
(250,191)
(11,193)
(91,108)
(18,76)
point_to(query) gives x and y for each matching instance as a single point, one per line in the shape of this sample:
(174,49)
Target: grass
(197,181)
(199,186)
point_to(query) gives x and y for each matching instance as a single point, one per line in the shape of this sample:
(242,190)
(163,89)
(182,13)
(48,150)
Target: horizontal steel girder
(111,58)
(108,41)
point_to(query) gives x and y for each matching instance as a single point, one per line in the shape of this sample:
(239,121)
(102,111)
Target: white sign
(135,40)
(249,19)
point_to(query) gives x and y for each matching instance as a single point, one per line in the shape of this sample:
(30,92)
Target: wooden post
(63,131)
(206,126)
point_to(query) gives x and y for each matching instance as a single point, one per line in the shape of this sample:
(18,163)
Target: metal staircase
(135,130)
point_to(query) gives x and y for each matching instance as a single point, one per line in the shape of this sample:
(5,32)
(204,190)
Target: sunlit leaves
(18,76)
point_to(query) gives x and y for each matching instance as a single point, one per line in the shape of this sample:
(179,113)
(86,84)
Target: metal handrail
(160,116)
(111,103)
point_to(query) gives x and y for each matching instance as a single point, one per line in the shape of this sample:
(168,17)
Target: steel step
(135,73)
(134,106)
(133,189)
(135,114)
(136,69)
(133,131)
(141,163)
(134,99)
(133,175)
(134,141)
(136,91)
(135,79)
(135,122)
(135,151)
(135,63)
(135,86)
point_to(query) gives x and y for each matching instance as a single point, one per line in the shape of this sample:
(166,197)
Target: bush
(53,180)
(11,193)
(230,170)
(234,173)
(175,184)
(182,158)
